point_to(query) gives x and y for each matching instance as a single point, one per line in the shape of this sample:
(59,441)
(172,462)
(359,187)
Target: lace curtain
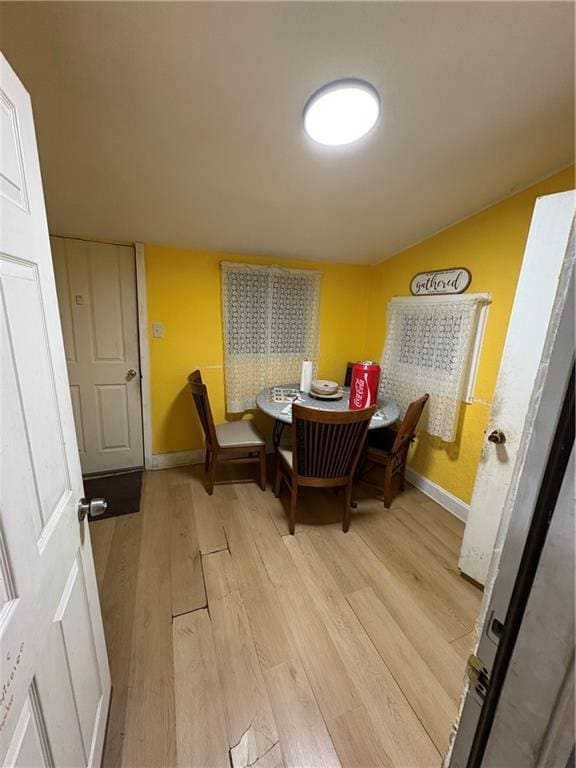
(428,345)
(270,318)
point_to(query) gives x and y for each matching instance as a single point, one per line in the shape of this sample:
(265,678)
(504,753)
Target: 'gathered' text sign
(454,280)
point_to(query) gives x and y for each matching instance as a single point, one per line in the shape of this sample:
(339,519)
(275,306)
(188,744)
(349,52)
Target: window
(270,319)
(433,345)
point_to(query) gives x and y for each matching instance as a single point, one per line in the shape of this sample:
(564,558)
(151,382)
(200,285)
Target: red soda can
(364,385)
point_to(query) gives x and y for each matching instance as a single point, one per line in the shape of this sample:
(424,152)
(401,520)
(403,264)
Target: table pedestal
(277,433)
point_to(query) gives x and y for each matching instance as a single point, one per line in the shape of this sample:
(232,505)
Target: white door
(537,709)
(54,676)
(522,714)
(544,258)
(96,284)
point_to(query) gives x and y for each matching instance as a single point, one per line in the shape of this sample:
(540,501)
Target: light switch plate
(158,330)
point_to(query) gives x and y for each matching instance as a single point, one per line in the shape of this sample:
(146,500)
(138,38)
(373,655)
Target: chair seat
(286,454)
(237,434)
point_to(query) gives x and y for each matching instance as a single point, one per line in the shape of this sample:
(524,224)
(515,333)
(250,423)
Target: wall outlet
(158,330)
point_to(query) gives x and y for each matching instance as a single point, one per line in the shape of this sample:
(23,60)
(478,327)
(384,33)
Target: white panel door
(96,284)
(54,676)
(530,706)
(532,313)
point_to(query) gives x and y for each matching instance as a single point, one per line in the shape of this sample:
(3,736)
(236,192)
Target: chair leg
(211,473)
(263,468)
(402,474)
(388,486)
(278,480)
(207,461)
(293,500)
(347,509)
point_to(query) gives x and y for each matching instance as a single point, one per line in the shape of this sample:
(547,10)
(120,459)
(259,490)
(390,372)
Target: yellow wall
(184,295)
(491,245)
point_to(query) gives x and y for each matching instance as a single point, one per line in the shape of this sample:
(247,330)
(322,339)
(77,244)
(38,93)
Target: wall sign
(441,281)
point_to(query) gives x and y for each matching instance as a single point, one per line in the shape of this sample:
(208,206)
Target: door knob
(497,436)
(131,373)
(92,508)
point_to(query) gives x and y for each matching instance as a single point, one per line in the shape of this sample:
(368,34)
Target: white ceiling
(181,123)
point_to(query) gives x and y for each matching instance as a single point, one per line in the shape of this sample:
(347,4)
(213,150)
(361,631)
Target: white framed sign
(441,281)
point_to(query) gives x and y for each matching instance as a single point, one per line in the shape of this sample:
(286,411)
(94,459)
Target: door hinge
(478,674)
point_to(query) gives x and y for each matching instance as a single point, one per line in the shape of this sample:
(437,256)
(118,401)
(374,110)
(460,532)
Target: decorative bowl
(324,387)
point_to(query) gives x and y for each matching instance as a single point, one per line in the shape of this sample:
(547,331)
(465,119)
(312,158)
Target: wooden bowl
(324,387)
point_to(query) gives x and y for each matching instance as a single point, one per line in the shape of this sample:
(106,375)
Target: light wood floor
(232,642)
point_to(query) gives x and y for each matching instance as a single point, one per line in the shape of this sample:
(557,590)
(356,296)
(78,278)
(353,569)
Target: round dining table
(387,412)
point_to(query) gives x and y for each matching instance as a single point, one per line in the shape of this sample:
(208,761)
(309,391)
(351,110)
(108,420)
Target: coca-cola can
(364,385)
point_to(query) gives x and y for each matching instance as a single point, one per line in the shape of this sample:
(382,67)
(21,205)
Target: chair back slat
(327,444)
(202,403)
(407,428)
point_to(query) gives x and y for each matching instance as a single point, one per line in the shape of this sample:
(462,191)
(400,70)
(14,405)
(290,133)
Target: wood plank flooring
(200,721)
(232,643)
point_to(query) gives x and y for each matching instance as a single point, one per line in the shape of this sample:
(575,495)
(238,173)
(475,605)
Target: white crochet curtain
(427,349)
(271,319)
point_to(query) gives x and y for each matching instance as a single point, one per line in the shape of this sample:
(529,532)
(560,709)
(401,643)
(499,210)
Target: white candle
(306,376)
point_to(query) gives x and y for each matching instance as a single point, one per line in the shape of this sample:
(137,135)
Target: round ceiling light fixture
(341,112)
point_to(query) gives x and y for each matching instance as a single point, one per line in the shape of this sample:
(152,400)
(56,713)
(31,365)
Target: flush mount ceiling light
(341,112)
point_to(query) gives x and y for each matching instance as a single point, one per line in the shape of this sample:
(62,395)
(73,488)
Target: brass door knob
(130,375)
(497,436)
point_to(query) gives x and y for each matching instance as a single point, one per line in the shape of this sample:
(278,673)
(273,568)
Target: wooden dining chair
(326,447)
(389,448)
(233,441)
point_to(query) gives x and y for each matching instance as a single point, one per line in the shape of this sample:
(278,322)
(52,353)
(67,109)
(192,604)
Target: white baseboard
(450,502)
(176,459)
(183,458)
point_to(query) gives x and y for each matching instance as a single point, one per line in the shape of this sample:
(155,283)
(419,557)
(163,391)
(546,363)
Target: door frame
(144,351)
(143,348)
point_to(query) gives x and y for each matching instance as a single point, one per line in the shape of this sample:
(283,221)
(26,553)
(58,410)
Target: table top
(387,413)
